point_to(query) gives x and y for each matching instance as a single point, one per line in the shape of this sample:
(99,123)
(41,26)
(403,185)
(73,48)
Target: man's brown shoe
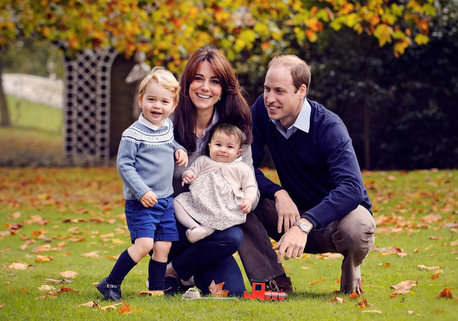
(280,284)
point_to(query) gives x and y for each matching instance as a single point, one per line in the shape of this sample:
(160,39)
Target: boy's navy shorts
(157,222)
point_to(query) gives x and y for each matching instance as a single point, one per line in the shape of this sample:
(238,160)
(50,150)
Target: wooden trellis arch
(87,102)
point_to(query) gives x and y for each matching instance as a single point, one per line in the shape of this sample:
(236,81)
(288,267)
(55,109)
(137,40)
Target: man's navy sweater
(318,169)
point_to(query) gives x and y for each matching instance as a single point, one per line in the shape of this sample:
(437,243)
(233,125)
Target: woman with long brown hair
(210,94)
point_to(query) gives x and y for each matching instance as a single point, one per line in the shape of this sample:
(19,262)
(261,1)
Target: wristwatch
(305,227)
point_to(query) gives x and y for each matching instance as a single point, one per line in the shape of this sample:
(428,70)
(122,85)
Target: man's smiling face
(282,100)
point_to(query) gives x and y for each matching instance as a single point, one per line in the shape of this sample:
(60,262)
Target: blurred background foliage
(387,67)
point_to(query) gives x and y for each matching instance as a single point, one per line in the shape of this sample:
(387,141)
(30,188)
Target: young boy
(146,163)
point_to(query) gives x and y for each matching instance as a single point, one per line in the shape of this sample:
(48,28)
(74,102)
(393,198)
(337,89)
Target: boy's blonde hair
(165,78)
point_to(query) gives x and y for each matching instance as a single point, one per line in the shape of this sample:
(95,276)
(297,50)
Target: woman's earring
(219,99)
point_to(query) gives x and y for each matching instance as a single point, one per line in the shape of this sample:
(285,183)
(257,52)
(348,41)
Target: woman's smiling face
(205,89)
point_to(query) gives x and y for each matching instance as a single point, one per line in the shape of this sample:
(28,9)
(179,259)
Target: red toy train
(260,293)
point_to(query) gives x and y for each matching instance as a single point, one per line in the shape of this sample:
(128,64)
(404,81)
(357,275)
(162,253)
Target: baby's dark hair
(230,130)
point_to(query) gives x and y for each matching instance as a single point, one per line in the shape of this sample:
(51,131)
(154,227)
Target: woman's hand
(182,158)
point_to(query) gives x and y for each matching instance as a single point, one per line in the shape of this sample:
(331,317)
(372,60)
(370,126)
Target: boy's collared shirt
(302,122)
(142,120)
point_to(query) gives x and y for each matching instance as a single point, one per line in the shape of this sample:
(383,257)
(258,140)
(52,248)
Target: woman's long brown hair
(232,108)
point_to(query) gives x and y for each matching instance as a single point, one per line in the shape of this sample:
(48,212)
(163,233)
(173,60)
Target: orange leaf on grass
(446,294)
(69,274)
(58,281)
(317,281)
(436,275)
(110,307)
(41,258)
(125,309)
(46,287)
(429,268)
(93,254)
(47,296)
(64,289)
(151,293)
(403,288)
(17,265)
(354,295)
(337,299)
(216,290)
(26,244)
(363,303)
(42,248)
(372,311)
(90,304)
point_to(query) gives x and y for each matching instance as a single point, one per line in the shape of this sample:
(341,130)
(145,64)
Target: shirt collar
(302,121)
(142,120)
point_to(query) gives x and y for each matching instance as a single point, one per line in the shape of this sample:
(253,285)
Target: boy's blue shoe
(110,291)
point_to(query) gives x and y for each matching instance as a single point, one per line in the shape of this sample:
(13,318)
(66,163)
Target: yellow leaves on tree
(170,30)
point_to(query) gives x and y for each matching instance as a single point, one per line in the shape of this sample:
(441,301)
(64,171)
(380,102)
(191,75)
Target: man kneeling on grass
(322,204)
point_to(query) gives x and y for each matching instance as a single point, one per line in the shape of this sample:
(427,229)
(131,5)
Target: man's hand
(182,158)
(292,243)
(287,210)
(149,199)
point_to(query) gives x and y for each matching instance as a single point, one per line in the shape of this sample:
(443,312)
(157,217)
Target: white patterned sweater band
(138,136)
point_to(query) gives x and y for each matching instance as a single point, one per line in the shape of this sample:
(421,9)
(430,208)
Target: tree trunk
(367,137)
(4,112)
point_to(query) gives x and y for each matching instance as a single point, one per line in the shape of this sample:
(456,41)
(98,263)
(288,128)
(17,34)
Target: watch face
(305,227)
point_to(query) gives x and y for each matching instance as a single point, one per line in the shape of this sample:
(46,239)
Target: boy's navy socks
(123,265)
(156,275)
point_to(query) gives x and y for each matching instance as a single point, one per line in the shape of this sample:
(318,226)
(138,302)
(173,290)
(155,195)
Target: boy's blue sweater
(318,169)
(146,159)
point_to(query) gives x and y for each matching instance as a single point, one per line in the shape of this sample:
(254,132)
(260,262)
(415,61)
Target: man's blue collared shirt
(302,122)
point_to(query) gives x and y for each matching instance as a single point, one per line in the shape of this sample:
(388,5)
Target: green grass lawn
(75,217)
(26,114)
(35,137)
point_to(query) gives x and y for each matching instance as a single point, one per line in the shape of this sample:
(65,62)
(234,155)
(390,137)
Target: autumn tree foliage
(168,31)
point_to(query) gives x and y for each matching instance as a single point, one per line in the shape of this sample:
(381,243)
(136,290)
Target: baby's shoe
(110,291)
(192,293)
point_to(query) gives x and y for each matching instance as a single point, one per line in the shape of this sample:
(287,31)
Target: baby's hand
(246,205)
(182,158)
(149,199)
(188,178)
